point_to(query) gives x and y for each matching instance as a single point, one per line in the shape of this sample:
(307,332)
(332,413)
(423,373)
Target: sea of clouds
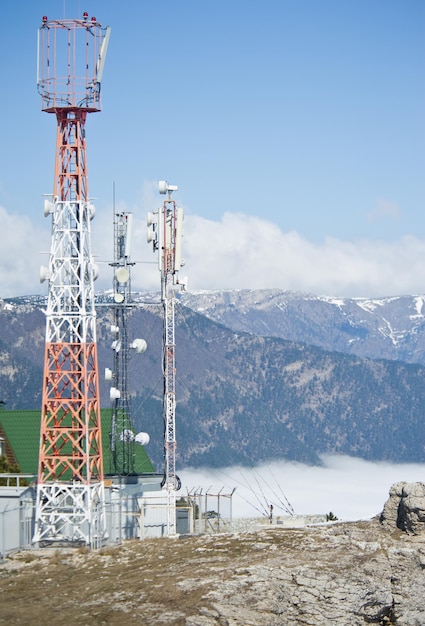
(351,488)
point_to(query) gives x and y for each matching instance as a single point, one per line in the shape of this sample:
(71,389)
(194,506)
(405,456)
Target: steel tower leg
(170,409)
(70,496)
(70,489)
(166,232)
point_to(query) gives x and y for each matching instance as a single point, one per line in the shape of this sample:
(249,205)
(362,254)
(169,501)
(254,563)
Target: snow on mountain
(391,328)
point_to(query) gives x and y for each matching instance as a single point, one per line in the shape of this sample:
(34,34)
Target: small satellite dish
(122,275)
(151,218)
(114,329)
(142,439)
(95,271)
(45,273)
(118,297)
(183,282)
(139,345)
(91,209)
(127,435)
(163,187)
(151,235)
(114,393)
(49,207)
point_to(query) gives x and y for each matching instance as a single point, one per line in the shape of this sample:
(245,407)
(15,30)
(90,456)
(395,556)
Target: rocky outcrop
(341,574)
(331,574)
(405,508)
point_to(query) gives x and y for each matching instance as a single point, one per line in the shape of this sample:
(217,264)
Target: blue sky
(295,130)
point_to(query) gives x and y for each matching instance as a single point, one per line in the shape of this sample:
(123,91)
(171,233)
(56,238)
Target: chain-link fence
(124,516)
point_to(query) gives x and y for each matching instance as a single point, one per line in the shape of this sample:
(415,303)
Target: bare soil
(150,582)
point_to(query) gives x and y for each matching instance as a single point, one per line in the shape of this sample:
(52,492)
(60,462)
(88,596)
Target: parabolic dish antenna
(122,275)
(142,439)
(139,345)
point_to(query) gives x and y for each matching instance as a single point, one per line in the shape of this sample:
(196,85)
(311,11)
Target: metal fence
(17,513)
(126,516)
(212,510)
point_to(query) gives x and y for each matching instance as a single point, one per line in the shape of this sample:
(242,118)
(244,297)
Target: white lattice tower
(169,365)
(165,231)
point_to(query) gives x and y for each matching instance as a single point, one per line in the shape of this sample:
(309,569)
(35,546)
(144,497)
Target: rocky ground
(368,572)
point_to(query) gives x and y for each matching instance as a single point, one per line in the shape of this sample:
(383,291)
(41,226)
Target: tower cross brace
(70,489)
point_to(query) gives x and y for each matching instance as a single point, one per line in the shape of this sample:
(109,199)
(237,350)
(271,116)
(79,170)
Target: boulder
(405,508)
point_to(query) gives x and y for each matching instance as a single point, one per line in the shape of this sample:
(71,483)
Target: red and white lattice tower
(70,488)
(165,231)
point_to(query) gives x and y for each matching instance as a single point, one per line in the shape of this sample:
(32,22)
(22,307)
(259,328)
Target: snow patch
(419,304)
(336,301)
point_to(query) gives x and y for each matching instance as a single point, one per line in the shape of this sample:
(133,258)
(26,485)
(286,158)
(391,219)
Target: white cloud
(247,252)
(20,258)
(384,210)
(351,488)
(237,252)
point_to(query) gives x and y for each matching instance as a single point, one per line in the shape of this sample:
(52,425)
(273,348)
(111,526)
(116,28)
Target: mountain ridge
(242,398)
(389,327)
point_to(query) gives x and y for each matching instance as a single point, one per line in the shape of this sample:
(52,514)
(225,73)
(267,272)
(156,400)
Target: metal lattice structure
(165,231)
(123,437)
(70,489)
(169,362)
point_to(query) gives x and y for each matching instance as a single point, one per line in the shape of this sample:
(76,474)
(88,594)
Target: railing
(17,480)
(127,516)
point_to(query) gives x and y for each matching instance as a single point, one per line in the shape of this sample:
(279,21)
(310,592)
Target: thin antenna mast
(165,232)
(123,437)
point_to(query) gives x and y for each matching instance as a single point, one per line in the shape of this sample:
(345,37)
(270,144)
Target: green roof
(22,429)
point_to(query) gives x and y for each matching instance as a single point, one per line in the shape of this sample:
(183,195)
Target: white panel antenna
(129,222)
(102,55)
(178,244)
